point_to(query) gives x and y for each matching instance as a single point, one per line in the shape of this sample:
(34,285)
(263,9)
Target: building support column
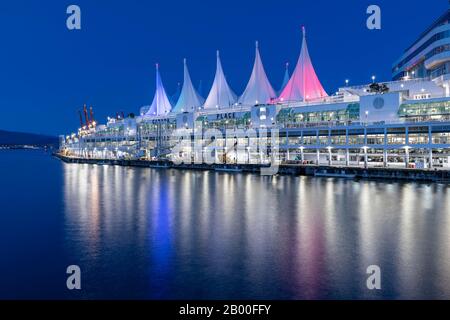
(406,157)
(329,157)
(287,154)
(385,158)
(347,157)
(365,158)
(430,150)
(430,158)
(318,156)
(302,155)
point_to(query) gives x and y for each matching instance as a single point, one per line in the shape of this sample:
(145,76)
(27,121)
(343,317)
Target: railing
(365,86)
(320,101)
(356,123)
(232,108)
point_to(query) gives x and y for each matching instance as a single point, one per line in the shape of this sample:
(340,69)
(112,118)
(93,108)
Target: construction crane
(86,116)
(92,116)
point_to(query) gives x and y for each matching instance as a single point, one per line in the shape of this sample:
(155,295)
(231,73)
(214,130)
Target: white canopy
(189,99)
(259,89)
(161,104)
(285,79)
(220,95)
(174,98)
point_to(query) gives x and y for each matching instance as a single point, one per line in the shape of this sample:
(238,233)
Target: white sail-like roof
(189,99)
(220,95)
(174,98)
(161,104)
(303,84)
(259,89)
(285,79)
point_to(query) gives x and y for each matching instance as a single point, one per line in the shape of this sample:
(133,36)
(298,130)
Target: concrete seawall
(400,174)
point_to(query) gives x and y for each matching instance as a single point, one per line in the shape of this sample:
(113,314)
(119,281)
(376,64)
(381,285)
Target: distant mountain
(10,138)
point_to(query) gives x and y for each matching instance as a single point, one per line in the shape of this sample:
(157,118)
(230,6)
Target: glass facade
(241,121)
(425,111)
(289,117)
(441,137)
(147,128)
(375,138)
(438,36)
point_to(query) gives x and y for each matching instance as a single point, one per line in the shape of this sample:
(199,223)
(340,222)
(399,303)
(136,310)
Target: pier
(372,173)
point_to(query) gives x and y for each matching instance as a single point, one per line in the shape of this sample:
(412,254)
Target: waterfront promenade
(336,171)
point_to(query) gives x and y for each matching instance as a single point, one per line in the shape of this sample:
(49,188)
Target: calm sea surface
(168,234)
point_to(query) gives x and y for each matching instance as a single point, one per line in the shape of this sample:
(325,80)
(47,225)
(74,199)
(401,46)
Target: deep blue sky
(47,72)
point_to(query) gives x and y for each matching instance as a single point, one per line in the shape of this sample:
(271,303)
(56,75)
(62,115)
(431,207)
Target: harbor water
(173,234)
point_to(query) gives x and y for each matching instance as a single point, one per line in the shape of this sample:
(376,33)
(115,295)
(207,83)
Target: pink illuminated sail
(161,104)
(259,89)
(303,84)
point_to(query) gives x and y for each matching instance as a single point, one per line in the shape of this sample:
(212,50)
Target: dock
(372,173)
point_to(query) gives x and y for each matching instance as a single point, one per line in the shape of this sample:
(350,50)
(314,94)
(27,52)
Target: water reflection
(186,234)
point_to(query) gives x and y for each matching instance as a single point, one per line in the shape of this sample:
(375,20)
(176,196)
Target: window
(418,138)
(396,138)
(441,138)
(357,139)
(338,140)
(375,139)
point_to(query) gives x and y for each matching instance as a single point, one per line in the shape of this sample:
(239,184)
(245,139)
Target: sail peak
(161,104)
(285,78)
(304,84)
(258,89)
(189,99)
(220,95)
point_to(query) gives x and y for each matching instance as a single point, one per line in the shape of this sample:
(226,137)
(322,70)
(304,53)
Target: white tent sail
(189,99)
(259,89)
(161,104)
(174,98)
(220,95)
(304,84)
(285,79)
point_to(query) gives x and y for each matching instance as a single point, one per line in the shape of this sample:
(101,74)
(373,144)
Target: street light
(373,79)
(346,82)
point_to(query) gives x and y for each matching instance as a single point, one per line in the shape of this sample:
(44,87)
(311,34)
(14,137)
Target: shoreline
(354,173)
